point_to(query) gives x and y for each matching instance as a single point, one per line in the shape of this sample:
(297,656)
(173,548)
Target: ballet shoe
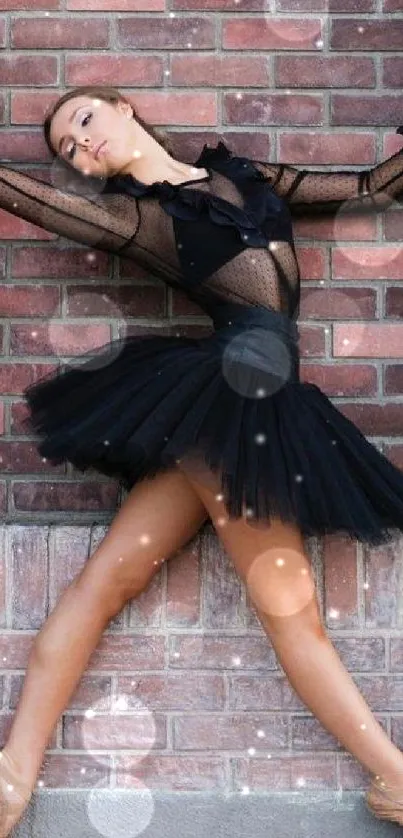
(14,794)
(385,801)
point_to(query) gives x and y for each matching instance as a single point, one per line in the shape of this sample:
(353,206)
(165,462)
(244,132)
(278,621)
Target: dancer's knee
(280,582)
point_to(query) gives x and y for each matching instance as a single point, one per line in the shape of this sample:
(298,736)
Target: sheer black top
(226,235)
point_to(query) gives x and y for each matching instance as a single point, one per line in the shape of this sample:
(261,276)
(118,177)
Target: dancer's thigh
(269,556)
(159,516)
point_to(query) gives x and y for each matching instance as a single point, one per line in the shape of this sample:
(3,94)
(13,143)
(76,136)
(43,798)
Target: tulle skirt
(232,402)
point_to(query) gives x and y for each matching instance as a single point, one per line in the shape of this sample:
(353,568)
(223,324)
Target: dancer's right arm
(99,222)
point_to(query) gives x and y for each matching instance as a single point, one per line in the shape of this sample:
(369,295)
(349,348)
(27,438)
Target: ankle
(25,773)
(392,779)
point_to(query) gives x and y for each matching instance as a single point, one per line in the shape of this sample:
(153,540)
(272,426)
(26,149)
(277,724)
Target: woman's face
(79,127)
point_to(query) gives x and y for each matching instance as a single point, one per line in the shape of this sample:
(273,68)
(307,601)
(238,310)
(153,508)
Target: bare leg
(167,509)
(272,563)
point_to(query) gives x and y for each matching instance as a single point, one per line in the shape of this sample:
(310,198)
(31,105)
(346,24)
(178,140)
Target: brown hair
(107,94)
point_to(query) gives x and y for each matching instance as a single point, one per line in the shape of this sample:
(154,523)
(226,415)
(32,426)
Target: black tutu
(232,401)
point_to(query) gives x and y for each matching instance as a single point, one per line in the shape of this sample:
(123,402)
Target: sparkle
(120,703)
(301,781)
(299,478)
(261,734)
(319,43)
(248,511)
(83,771)
(219,497)
(106,442)
(260,392)
(221,521)
(10,787)
(136,153)
(245,790)
(145,539)
(280,562)
(360,29)
(236,661)
(366,585)
(334,613)
(346,341)
(260,439)
(251,751)
(176,655)
(90,713)
(34,334)
(120,559)
(363,727)
(41,783)
(239,96)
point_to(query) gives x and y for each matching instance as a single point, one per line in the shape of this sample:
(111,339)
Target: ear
(126,109)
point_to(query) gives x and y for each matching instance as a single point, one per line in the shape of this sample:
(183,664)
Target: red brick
(270,33)
(273,109)
(17,69)
(356,34)
(59,33)
(340,583)
(220,70)
(78,771)
(333,71)
(368,340)
(367,263)
(166,33)
(170,691)
(31,300)
(217,652)
(27,547)
(134,70)
(183,605)
(230,731)
(285,772)
(45,496)
(172,773)
(343,380)
(383,598)
(140,731)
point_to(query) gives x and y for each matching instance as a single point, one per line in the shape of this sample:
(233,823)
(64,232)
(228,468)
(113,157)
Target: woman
(217,427)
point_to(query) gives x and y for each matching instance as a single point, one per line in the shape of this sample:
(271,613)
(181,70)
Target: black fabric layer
(233,402)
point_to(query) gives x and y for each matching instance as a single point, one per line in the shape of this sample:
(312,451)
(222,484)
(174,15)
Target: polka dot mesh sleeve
(320,192)
(110,222)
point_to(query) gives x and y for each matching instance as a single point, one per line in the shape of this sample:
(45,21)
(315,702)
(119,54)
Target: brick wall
(251,77)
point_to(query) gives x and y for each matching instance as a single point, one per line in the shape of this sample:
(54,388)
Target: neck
(160,166)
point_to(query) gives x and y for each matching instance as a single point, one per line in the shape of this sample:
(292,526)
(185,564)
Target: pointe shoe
(14,794)
(385,801)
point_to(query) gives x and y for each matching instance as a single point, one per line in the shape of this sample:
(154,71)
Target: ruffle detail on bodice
(256,221)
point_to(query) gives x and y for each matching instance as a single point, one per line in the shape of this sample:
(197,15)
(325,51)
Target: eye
(70,154)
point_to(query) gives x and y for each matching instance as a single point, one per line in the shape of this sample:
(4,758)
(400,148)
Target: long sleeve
(326,192)
(100,222)
(109,221)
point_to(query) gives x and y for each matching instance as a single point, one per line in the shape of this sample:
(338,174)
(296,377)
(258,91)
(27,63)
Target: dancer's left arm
(325,192)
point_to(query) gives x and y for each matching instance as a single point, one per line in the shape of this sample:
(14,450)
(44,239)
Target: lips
(101,145)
